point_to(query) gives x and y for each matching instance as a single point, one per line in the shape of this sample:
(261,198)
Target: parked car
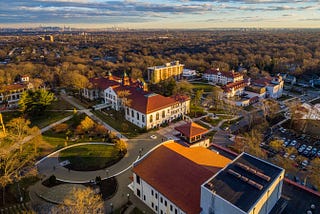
(313,151)
(305,163)
(293,143)
(292,157)
(318,154)
(286,155)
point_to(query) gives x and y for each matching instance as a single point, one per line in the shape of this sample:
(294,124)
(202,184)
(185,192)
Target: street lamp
(107,172)
(111,207)
(128,197)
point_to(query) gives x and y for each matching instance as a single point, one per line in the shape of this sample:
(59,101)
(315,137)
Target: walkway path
(73,102)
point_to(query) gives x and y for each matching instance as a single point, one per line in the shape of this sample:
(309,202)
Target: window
(138,116)
(156,208)
(128,111)
(144,197)
(171,208)
(161,200)
(138,192)
(175,211)
(138,179)
(157,116)
(142,118)
(165,202)
(156,195)
(152,205)
(161,211)
(132,113)
(151,119)
(163,114)
(152,192)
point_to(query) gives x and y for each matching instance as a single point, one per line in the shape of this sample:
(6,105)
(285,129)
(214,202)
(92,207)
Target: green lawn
(116,120)
(90,157)
(49,117)
(60,104)
(205,87)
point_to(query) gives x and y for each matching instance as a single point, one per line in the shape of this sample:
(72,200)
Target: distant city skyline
(161,14)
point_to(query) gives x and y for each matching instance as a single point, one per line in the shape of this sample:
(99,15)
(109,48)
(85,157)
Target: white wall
(154,199)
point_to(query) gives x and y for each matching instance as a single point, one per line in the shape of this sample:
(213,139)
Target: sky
(164,14)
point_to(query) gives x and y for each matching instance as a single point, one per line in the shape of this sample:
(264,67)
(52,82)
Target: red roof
(146,102)
(178,172)
(12,87)
(230,74)
(191,129)
(262,81)
(236,85)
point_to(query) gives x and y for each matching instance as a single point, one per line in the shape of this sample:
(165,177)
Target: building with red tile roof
(10,94)
(222,77)
(168,179)
(193,134)
(142,108)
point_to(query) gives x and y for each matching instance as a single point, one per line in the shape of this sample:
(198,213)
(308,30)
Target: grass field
(205,87)
(90,157)
(118,122)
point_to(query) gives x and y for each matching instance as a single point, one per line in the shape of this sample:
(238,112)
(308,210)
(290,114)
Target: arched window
(151,119)
(157,116)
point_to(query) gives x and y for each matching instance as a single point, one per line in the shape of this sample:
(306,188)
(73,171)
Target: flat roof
(177,172)
(244,181)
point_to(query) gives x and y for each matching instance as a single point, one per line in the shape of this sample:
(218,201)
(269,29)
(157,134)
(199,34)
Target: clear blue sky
(160,13)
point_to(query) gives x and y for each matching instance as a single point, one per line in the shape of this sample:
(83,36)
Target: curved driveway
(50,164)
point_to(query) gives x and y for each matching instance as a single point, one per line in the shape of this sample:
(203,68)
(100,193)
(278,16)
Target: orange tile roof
(12,87)
(177,172)
(191,129)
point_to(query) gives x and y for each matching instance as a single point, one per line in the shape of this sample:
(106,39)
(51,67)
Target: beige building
(172,69)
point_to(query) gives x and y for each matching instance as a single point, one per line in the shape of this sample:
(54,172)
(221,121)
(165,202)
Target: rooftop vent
(253,171)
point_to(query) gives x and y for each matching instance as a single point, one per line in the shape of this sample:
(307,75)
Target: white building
(234,89)
(222,77)
(189,73)
(248,185)
(273,85)
(151,110)
(142,108)
(11,94)
(174,179)
(168,178)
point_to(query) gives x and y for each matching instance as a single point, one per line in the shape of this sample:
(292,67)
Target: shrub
(61,128)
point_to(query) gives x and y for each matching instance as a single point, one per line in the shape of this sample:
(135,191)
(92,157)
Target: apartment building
(171,69)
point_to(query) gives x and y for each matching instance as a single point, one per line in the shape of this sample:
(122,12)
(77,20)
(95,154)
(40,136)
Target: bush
(63,127)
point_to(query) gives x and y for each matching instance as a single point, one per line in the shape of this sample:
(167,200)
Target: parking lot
(305,146)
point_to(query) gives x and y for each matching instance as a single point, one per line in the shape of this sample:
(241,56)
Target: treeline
(297,52)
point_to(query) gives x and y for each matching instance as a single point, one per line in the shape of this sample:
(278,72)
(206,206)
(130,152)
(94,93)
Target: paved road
(51,164)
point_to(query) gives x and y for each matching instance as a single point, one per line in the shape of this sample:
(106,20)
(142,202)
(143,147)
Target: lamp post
(107,172)
(111,207)
(128,197)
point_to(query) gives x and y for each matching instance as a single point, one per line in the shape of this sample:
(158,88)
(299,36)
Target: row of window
(162,201)
(137,115)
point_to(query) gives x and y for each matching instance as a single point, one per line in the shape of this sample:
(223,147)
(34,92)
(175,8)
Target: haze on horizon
(161,13)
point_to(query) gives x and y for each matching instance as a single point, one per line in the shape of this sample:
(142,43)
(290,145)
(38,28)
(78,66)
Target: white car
(153,137)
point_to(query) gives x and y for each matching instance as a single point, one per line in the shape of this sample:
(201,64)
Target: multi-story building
(142,108)
(151,110)
(273,85)
(174,179)
(168,178)
(172,69)
(222,77)
(10,94)
(248,185)
(234,88)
